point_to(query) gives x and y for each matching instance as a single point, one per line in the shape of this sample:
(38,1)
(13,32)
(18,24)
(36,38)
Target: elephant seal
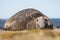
(28,19)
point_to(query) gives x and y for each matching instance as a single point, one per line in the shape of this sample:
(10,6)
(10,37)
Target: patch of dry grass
(43,34)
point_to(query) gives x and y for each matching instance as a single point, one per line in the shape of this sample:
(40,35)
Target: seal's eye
(45,19)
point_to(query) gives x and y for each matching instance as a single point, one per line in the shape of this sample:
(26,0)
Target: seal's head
(43,22)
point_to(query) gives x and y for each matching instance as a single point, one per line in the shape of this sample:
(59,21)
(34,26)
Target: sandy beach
(44,34)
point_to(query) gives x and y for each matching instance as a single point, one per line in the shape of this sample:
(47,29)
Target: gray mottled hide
(27,19)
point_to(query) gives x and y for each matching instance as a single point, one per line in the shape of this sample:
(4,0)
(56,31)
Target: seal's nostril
(46,23)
